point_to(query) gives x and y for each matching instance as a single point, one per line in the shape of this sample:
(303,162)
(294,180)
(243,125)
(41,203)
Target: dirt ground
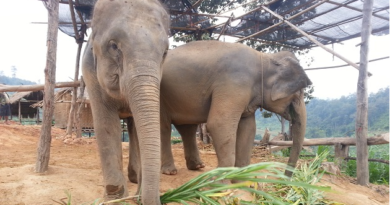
(75,168)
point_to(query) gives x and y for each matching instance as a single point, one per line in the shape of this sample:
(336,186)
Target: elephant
(222,84)
(122,72)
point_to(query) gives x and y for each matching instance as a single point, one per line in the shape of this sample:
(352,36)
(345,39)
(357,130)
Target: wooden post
(200,132)
(42,163)
(19,112)
(283,122)
(206,135)
(72,112)
(37,112)
(340,153)
(80,109)
(79,39)
(362,99)
(37,120)
(266,137)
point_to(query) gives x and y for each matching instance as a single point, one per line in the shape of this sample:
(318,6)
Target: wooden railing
(341,144)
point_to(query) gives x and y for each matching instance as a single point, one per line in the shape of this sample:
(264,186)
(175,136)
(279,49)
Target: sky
(24,34)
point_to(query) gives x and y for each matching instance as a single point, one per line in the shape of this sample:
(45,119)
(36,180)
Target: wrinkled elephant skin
(122,72)
(222,84)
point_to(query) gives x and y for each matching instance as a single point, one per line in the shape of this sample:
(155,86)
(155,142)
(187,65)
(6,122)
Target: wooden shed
(21,104)
(62,106)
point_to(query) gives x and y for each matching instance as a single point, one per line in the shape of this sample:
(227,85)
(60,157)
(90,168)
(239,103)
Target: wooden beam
(20,88)
(314,40)
(384,139)
(361,127)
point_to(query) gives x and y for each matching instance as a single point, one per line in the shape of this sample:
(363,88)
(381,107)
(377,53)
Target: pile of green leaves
(209,188)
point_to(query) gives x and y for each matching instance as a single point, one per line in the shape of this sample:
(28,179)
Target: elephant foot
(132,175)
(114,192)
(195,164)
(169,169)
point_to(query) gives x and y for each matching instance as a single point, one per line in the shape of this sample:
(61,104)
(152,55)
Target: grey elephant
(122,72)
(223,84)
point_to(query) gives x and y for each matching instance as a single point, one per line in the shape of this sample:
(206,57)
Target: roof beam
(314,40)
(344,65)
(282,21)
(356,9)
(238,17)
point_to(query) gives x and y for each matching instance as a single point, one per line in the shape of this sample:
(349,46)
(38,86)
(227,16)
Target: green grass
(379,172)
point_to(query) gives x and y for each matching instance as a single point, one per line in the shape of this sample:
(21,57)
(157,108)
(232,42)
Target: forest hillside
(14,81)
(336,117)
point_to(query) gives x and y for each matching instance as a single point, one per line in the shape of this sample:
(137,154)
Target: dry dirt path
(75,168)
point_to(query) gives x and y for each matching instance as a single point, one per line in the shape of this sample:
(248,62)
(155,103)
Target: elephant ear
(290,77)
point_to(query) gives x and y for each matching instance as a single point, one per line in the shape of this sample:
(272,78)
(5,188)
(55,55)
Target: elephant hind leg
(191,152)
(167,162)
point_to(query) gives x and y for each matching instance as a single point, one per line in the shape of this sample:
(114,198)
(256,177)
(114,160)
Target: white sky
(24,46)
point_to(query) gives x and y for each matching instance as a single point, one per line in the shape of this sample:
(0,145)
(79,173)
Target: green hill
(336,117)
(14,81)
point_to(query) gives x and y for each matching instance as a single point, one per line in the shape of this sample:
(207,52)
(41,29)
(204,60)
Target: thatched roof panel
(27,95)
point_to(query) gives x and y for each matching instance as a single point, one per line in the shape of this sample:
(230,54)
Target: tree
(13,71)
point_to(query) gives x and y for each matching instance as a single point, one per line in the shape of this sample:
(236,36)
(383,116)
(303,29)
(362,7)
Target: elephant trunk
(143,88)
(298,129)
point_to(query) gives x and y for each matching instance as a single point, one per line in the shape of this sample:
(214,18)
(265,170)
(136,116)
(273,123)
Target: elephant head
(284,95)
(128,44)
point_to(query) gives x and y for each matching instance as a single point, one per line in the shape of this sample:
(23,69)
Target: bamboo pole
(361,129)
(21,88)
(43,155)
(314,40)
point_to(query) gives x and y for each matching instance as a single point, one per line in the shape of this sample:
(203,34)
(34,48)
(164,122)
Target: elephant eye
(113,45)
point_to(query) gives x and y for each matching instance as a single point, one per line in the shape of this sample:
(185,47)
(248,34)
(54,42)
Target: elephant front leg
(167,162)
(222,124)
(191,152)
(108,131)
(245,136)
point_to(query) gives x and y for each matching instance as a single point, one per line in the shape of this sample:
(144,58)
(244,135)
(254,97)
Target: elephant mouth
(287,114)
